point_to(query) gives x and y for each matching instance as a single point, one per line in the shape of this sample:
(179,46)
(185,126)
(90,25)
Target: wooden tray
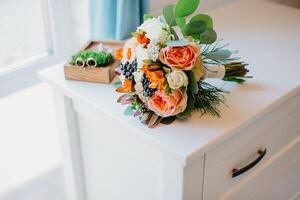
(90,74)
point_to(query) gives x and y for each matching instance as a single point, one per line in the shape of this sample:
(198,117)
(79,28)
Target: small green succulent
(92,58)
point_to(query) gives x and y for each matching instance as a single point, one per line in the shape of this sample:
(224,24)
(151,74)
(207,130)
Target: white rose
(177,79)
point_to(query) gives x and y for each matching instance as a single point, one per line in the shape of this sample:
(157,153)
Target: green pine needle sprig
(208,99)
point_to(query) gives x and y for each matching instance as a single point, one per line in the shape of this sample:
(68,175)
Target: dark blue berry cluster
(128,68)
(148,91)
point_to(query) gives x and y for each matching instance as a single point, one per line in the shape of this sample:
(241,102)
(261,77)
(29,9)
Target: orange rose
(180,57)
(166,105)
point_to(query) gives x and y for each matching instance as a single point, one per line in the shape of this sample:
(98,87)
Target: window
(24,32)
(34,34)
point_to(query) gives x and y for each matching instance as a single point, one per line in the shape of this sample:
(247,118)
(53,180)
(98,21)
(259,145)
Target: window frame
(24,74)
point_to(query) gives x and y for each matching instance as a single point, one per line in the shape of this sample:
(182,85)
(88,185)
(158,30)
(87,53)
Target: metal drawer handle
(237,172)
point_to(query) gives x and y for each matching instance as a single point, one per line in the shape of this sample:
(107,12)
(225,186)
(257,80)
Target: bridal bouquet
(165,64)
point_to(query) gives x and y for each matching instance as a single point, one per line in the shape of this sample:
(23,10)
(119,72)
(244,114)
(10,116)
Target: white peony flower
(177,79)
(155,29)
(141,54)
(153,49)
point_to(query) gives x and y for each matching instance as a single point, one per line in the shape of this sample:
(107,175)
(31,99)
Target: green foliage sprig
(217,54)
(102,58)
(208,99)
(137,104)
(200,27)
(235,70)
(137,108)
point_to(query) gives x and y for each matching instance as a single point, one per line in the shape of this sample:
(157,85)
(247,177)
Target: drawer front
(279,179)
(273,132)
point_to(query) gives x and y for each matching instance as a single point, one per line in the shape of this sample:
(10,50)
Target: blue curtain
(116,19)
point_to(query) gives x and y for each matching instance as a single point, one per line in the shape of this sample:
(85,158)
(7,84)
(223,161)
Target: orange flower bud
(129,53)
(127,86)
(119,54)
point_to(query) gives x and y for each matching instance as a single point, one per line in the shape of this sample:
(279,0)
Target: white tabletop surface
(268,37)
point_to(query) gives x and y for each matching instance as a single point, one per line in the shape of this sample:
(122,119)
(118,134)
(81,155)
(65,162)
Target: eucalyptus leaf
(129,110)
(177,43)
(147,16)
(186,7)
(206,18)
(117,84)
(168,120)
(168,13)
(180,22)
(219,55)
(195,27)
(193,83)
(196,36)
(208,37)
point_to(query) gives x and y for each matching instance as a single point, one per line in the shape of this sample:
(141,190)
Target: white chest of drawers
(109,156)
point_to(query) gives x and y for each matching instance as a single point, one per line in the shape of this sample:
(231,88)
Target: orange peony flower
(127,86)
(166,105)
(180,57)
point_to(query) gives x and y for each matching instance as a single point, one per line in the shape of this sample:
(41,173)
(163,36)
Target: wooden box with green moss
(94,63)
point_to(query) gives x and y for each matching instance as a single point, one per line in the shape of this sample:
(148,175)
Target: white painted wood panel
(278,179)
(193,180)
(273,132)
(70,146)
(117,166)
(287,178)
(142,167)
